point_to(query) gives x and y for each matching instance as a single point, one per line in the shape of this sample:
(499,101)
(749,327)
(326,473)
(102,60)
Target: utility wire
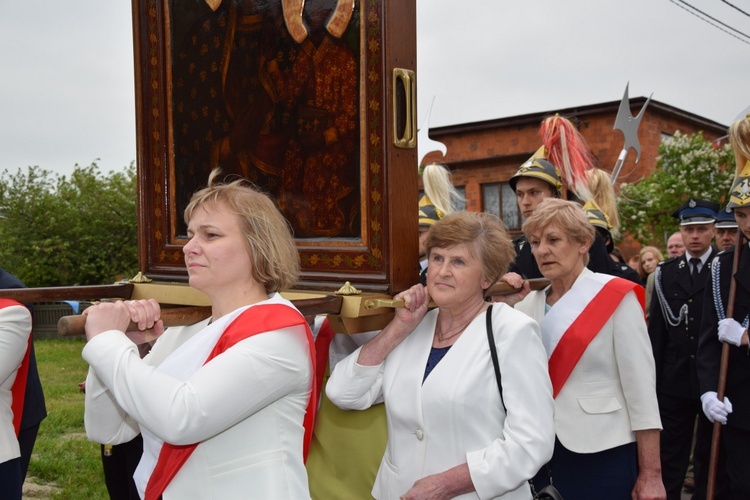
(709,22)
(714,19)
(735,7)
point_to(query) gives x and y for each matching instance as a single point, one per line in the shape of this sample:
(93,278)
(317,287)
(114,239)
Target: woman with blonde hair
(648,259)
(225,406)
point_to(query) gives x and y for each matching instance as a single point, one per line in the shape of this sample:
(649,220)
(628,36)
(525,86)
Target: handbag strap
(493,354)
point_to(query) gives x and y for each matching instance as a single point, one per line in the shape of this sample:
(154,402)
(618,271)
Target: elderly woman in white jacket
(600,362)
(448,433)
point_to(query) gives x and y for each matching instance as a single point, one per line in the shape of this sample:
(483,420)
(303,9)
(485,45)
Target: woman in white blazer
(448,433)
(15,329)
(220,404)
(602,369)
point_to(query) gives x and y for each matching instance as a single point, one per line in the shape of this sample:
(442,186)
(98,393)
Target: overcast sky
(66,68)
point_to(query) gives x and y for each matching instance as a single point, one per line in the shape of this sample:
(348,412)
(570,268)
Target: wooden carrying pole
(330,304)
(176,316)
(57,293)
(723,368)
(498,289)
(183,316)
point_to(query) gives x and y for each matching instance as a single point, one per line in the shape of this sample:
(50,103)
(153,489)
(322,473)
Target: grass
(63,457)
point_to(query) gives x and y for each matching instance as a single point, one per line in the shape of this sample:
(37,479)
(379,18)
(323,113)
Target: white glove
(715,410)
(731,332)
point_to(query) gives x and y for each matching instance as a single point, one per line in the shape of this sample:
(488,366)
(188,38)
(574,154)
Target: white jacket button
(420,434)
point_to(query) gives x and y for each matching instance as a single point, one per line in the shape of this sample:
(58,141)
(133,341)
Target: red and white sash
(18,390)
(255,320)
(577,318)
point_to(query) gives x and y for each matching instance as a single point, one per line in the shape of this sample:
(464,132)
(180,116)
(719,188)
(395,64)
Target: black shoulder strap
(493,353)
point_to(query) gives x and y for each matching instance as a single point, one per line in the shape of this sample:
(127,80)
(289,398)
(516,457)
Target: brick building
(482,156)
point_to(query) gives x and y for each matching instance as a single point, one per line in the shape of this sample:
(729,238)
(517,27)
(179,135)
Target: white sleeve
(15,328)
(244,379)
(353,386)
(635,363)
(105,421)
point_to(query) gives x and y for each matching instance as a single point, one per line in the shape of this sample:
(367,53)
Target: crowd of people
(602,384)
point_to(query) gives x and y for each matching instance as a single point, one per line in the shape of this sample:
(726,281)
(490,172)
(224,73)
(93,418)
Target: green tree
(688,165)
(59,231)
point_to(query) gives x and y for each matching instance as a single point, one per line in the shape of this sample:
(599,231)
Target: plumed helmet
(429,215)
(539,167)
(600,221)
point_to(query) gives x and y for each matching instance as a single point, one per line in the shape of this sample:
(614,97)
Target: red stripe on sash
(586,326)
(18,390)
(322,344)
(258,319)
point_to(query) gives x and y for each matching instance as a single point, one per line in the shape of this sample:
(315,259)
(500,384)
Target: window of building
(460,204)
(498,198)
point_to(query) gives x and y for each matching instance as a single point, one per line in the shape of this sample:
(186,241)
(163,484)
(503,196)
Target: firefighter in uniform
(674,323)
(535,180)
(734,410)
(726,229)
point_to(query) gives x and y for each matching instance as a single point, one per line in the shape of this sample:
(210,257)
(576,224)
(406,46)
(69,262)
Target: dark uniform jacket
(675,346)
(709,348)
(625,271)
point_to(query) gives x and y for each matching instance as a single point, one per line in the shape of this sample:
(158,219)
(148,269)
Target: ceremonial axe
(628,125)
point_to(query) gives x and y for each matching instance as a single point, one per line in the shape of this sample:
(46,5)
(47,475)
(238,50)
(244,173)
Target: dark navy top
(436,354)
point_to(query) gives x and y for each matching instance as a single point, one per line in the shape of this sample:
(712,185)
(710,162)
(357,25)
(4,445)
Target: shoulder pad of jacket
(669,260)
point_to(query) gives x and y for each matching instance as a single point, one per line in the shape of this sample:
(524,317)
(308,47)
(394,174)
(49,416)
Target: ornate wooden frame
(384,258)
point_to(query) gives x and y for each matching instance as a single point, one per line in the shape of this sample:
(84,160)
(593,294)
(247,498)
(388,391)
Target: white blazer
(611,392)
(15,328)
(455,417)
(245,408)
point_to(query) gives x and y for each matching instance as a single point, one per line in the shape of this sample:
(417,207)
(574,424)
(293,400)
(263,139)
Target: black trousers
(737,443)
(11,482)
(678,419)
(608,474)
(26,440)
(119,462)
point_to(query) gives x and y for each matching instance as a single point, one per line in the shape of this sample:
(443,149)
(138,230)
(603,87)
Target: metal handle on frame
(404,108)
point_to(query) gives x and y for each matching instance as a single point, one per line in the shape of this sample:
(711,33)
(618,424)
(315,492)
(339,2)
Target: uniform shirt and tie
(674,322)
(697,264)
